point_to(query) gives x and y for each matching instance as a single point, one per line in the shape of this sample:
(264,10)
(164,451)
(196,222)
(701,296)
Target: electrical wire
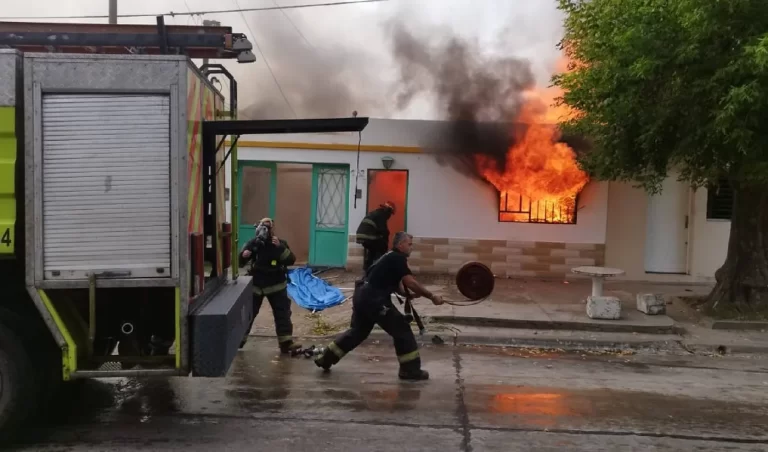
(256,43)
(293,24)
(200,13)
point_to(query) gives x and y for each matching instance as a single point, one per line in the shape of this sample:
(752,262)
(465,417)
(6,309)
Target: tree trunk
(742,281)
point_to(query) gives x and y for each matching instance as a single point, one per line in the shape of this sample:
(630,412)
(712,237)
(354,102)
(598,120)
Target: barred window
(720,201)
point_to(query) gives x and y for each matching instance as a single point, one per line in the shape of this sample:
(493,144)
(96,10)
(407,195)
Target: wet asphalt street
(478,399)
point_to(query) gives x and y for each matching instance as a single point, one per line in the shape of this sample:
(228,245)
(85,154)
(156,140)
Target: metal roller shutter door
(106,185)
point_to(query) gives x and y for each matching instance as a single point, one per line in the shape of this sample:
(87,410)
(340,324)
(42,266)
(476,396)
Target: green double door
(327,205)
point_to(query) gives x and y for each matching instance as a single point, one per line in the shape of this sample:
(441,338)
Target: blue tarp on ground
(311,292)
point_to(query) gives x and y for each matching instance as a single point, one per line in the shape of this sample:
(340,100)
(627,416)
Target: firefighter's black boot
(412,371)
(328,358)
(286,347)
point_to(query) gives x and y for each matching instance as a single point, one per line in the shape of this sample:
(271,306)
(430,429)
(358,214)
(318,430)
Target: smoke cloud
(317,81)
(479,96)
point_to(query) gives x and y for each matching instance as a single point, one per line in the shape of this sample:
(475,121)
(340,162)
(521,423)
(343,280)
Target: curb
(558,325)
(739,325)
(453,339)
(710,349)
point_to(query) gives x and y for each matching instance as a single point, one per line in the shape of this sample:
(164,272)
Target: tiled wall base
(506,258)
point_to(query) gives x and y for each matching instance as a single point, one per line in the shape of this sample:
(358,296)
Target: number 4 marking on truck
(6,239)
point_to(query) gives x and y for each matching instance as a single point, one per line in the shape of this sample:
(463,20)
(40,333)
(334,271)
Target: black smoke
(479,96)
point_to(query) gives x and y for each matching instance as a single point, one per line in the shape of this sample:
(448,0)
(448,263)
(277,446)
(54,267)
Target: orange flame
(541,179)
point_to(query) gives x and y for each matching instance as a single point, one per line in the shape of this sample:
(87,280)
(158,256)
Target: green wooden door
(257,183)
(329,233)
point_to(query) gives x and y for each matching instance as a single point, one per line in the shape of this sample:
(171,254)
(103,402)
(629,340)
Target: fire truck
(116,256)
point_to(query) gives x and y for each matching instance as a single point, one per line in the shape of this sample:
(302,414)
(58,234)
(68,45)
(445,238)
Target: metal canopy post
(234,201)
(236,128)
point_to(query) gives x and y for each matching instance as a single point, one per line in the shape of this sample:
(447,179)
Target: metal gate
(106,185)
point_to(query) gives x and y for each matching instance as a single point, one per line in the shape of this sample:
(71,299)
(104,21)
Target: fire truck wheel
(40,346)
(17,384)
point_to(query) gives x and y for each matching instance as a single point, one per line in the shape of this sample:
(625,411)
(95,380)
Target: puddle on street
(544,407)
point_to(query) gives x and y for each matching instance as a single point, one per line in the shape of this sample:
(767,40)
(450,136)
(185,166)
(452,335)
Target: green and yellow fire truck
(115,252)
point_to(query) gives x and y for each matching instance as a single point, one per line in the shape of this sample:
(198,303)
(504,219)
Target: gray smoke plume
(479,96)
(317,81)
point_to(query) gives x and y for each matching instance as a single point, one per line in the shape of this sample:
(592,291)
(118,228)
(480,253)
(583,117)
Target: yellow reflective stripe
(177,314)
(367,237)
(68,352)
(336,350)
(369,221)
(408,357)
(270,289)
(284,338)
(285,254)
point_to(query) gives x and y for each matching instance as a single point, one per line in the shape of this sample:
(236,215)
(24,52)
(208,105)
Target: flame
(542,179)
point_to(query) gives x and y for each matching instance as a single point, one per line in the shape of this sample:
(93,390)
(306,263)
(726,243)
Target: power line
(292,23)
(256,43)
(200,13)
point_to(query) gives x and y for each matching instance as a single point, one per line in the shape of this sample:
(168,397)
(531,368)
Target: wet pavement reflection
(475,394)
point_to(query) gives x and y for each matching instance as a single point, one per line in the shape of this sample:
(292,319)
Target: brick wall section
(506,258)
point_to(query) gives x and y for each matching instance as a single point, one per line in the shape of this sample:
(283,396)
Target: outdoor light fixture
(387,162)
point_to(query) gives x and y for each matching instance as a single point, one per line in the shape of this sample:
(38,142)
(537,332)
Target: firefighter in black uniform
(372,305)
(373,233)
(269,257)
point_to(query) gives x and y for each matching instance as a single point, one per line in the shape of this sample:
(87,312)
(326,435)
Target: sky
(331,60)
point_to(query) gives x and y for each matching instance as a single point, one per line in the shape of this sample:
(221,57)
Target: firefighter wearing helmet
(269,258)
(373,233)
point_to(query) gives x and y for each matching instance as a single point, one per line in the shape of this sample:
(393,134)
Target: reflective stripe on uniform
(270,289)
(369,221)
(336,350)
(408,357)
(285,254)
(282,339)
(367,237)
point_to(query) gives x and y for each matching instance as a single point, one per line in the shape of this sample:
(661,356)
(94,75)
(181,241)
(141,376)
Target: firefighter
(269,257)
(372,305)
(373,233)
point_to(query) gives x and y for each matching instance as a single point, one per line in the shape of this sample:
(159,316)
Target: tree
(660,85)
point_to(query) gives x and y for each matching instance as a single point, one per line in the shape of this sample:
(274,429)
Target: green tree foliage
(678,84)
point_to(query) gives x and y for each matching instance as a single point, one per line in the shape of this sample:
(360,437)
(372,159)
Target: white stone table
(598,274)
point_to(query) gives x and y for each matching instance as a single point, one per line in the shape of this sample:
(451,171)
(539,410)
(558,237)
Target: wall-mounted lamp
(387,162)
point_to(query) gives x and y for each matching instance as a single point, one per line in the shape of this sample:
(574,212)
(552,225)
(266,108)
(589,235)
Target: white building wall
(710,239)
(626,236)
(453,217)
(445,203)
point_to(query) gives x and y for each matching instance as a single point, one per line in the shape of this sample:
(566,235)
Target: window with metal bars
(720,201)
(516,208)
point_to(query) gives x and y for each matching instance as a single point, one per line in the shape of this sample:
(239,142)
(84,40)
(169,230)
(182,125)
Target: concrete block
(603,308)
(651,304)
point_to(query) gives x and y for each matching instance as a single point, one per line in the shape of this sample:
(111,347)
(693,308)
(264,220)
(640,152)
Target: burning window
(516,208)
(540,180)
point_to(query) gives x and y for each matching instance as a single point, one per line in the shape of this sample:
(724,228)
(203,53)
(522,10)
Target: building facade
(319,187)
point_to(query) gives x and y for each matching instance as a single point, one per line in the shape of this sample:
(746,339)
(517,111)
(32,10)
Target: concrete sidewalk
(556,305)
(542,314)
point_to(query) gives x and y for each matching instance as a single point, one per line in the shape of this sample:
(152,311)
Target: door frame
(313,211)
(407,189)
(272,166)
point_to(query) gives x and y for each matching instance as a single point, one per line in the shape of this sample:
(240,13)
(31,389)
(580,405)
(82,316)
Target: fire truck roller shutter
(106,185)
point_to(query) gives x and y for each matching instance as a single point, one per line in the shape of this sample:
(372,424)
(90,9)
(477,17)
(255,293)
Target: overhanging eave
(274,126)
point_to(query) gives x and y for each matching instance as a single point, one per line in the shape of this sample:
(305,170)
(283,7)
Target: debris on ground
(320,327)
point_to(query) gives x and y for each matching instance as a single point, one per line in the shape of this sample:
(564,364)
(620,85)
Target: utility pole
(113,12)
